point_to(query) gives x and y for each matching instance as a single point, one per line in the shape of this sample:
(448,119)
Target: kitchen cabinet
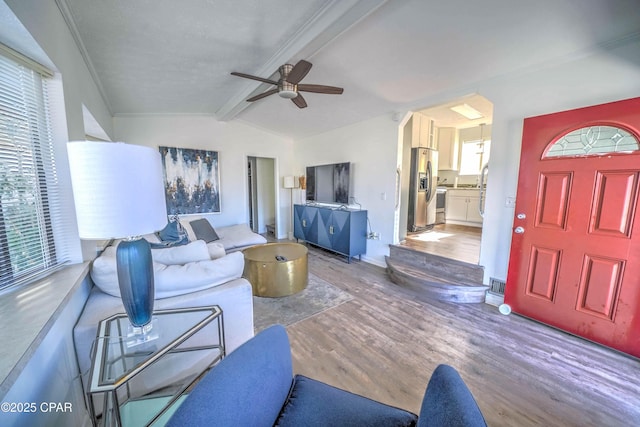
(462,207)
(447,149)
(422,132)
(339,230)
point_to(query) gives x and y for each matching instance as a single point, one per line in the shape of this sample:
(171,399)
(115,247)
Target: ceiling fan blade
(298,72)
(299,101)
(249,76)
(331,90)
(262,95)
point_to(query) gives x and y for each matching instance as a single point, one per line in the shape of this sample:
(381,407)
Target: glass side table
(143,378)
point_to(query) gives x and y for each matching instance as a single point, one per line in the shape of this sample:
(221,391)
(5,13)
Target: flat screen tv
(329,183)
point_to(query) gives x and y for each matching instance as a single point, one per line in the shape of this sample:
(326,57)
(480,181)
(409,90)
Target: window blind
(30,198)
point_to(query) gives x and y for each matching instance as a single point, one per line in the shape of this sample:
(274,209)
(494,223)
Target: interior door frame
(252,188)
(254,202)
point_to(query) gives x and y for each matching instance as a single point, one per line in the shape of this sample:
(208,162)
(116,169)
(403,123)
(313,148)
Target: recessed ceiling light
(468,111)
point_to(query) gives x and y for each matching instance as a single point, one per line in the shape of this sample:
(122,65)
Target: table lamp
(119,193)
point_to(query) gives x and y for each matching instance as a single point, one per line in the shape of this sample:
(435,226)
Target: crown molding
(67,14)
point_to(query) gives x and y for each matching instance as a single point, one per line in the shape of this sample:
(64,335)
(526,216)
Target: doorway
(460,131)
(261,192)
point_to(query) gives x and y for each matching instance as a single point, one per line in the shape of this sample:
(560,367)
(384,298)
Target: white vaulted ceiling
(174,57)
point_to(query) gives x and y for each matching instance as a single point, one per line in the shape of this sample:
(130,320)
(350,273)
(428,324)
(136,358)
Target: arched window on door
(593,140)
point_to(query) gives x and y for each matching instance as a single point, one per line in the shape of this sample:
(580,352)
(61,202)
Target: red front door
(575,251)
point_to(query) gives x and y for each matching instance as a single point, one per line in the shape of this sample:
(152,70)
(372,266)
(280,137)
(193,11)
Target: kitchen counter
(469,190)
(460,187)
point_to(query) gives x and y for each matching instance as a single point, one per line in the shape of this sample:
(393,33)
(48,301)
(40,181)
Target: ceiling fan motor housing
(285,89)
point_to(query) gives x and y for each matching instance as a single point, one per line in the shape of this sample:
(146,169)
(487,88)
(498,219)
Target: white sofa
(196,274)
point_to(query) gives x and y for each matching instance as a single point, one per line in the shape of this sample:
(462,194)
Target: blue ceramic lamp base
(135,278)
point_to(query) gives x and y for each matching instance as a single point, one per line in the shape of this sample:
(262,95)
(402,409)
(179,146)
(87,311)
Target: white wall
(234,142)
(589,80)
(371,147)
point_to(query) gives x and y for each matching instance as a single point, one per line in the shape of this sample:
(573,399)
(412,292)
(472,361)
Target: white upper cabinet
(447,148)
(422,132)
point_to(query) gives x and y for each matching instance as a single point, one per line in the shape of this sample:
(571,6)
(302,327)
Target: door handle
(331,229)
(519,230)
(304,222)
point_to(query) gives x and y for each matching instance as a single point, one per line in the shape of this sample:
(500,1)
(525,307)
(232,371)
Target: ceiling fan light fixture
(287,90)
(288,94)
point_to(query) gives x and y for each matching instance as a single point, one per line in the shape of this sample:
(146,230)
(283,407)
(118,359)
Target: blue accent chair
(254,386)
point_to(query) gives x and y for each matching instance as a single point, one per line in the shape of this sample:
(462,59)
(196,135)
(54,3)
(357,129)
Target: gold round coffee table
(276,269)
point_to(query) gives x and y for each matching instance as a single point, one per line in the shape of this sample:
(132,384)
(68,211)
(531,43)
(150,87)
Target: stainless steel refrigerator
(422,190)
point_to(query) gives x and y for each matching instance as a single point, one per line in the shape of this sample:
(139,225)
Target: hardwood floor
(386,341)
(448,240)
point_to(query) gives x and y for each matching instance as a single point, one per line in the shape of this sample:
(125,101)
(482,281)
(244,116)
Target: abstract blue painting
(191,180)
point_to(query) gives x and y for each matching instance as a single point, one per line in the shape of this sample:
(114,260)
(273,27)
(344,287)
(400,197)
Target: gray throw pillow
(203,230)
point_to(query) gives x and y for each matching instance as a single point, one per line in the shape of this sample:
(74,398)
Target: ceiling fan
(289,86)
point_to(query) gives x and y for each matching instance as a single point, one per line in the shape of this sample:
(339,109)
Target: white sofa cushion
(239,236)
(151,238)
(216,250)
(171,280)
(191,252)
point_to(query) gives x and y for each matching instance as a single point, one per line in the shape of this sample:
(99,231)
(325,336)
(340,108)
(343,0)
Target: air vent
(496,286)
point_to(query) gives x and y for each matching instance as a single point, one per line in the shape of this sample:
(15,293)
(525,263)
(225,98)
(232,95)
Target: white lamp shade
(118,189)
(289,182)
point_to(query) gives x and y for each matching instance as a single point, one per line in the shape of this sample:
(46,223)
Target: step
(446,269)
(431,286)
